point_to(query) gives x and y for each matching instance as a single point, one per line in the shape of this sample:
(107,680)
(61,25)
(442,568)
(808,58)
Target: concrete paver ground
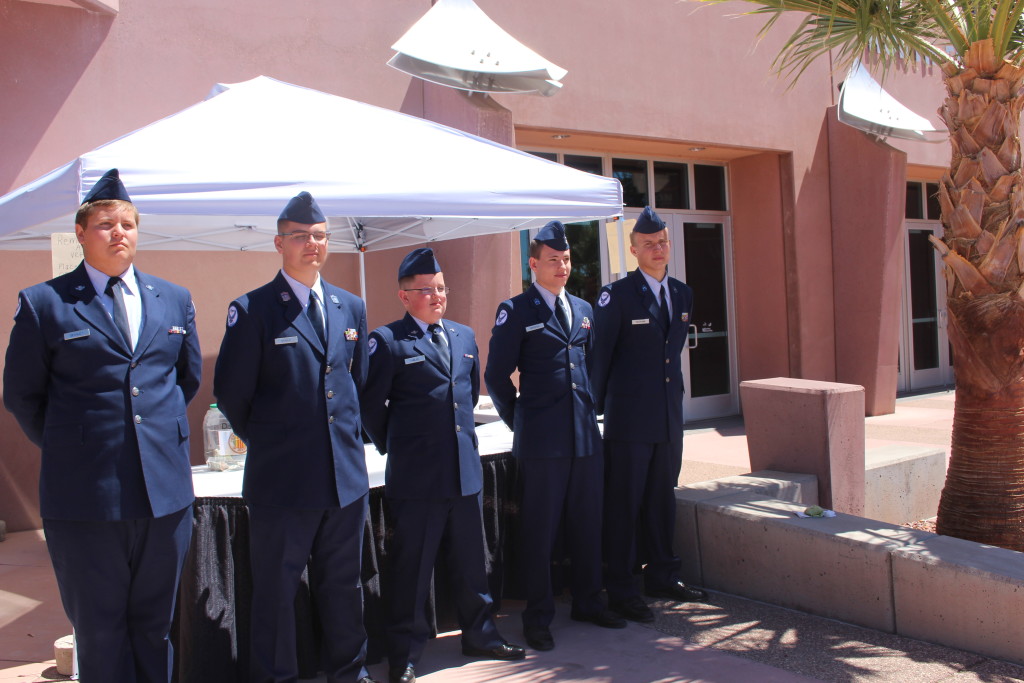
(729,640)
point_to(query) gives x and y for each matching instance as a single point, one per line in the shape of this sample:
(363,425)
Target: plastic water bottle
(224,450)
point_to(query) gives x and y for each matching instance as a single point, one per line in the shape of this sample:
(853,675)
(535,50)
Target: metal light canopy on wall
(865,105)
(456,45)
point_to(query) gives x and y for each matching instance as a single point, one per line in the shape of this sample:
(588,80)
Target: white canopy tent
(217,175)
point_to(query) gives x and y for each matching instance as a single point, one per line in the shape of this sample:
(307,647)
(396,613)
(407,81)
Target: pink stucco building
(804,239)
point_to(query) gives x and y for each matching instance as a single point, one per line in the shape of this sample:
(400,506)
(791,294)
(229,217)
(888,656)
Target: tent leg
(362,275)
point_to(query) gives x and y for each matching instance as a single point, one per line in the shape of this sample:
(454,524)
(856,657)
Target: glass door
(701,257)
(925,358)
(709,361)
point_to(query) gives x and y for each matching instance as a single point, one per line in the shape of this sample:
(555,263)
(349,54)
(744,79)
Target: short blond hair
(86,210)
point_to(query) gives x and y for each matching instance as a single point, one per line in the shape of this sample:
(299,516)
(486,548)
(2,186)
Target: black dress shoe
(604,619)
(539,638)
(406,675)
(679,592)
(633,608)
(506,652)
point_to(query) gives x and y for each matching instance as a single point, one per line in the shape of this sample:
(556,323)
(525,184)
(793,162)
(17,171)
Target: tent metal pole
(362,274)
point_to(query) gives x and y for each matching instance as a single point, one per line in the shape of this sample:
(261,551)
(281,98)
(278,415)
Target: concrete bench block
(902,482)
(798,488)
(961,594)
(799,425)
(836,567)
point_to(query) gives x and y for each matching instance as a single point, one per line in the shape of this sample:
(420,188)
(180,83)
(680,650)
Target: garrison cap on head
(108,187)
(648,222)
(419,262)
(553,235)
(302,208)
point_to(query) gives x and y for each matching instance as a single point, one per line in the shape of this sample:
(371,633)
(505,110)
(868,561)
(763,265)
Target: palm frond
(892,31)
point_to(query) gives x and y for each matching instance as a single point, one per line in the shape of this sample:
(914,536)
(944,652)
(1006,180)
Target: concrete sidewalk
(729,640)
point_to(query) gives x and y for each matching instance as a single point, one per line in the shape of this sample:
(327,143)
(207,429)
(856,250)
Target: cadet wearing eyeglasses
(290,369)
(423,383)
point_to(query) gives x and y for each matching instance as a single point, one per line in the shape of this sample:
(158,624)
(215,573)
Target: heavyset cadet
(101,364)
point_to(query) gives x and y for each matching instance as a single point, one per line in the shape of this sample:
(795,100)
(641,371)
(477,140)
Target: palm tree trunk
(982,200)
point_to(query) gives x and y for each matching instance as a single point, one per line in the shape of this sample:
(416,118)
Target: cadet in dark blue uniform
(101,364)
(642,323)
(291,364)
(423,384)
(547,334)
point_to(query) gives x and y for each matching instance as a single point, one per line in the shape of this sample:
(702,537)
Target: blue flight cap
(419,262)
(302,208)
(648,222)
(108,187)
(553,235)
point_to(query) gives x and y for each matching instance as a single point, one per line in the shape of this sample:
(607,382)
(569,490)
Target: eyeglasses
(430,291)
(304,235)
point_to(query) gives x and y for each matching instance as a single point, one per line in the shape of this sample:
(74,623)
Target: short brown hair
(86,210)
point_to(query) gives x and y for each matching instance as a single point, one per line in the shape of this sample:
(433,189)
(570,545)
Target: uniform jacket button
(138,419)
(327,370)
(330,420)
(458,428)
(330,393)
(135,391)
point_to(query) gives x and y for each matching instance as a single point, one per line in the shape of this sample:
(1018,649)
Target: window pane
(550,156)
(709,187)
(914,204)
(704,245)
(923,306)
(632,173)
(524,256)
(582,163)
(584,243)
(670,186)
(934,210)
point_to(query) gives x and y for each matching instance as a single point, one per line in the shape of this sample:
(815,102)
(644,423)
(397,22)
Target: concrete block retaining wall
(737,539)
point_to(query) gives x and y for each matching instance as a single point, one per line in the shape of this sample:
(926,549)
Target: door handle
(692,341)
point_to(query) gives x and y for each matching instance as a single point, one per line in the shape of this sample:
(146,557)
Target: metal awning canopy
(455,44)
(865,105)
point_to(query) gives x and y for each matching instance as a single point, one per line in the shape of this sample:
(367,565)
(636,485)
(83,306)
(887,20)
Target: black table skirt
(211,629)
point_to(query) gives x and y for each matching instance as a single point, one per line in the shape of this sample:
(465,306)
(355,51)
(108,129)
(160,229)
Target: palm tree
(978,45)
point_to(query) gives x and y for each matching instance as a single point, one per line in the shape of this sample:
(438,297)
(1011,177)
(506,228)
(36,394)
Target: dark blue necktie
(313,311)
(664,317)
(120,316)
(441,345)
(561,315)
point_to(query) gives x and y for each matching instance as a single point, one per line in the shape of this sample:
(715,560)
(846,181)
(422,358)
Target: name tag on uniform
(538,326)
(642,321)
(414,359)
(77,334)
(286,340)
